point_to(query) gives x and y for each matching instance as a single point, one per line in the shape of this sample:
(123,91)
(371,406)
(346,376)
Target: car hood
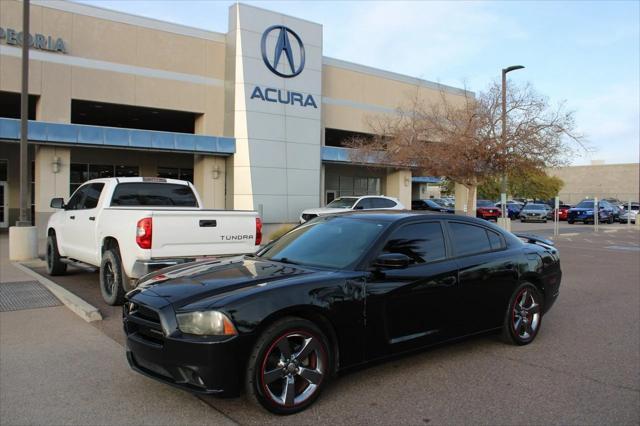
(207,278)
(324,210)
(489,208)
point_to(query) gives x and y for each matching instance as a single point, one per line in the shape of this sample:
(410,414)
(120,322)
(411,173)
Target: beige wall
(398,185)
(117,44)
(603,181)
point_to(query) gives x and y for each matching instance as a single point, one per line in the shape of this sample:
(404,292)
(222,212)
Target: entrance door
(4,204)
(331,195)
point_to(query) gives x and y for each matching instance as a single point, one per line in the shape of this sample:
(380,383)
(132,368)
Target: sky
(583,53)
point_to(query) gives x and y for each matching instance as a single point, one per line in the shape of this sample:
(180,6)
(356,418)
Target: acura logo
(283,48)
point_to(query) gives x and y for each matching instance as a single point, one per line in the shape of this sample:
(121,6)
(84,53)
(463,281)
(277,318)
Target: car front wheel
(289,367)
(524,315)
(54,265)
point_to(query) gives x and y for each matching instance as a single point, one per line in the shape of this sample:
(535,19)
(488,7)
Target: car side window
(422,242)
(495,240)
(77,198)
(93,196)
(364,204)
(382,203)
(471,239)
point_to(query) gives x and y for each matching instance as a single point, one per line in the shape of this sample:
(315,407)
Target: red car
(487,210)
(564,212)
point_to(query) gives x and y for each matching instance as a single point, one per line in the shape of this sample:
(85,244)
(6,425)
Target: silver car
(534,212)
(629,215)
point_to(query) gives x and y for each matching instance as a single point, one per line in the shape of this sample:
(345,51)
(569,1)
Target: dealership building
(256,117)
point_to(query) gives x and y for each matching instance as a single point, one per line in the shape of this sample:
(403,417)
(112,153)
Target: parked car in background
(447,202)
(534,213)
(630,215)
(345,204)
(337,292)
(617,211)
(129,227)
(487,210)
(584,212)
(430,205)
(513,209)
(563,212)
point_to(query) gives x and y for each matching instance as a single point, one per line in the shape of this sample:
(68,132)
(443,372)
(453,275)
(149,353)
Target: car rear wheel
(524,315)
(112,278)
(54,265)
(570,221)
(289,367)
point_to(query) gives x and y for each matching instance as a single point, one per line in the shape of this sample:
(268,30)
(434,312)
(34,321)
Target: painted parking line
(623,248)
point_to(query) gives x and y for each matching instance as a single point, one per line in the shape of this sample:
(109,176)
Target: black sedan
(430,205)
(334,293)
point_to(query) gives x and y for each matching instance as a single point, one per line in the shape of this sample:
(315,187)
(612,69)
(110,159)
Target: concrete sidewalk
(57,369)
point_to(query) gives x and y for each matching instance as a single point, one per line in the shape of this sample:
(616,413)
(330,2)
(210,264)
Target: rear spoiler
(534,239)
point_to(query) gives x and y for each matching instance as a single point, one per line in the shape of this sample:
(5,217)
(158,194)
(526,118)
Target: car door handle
(72,217)
(449,281)
(92,218)
(208,223)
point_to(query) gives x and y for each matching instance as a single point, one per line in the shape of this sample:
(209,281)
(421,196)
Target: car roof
(406,215)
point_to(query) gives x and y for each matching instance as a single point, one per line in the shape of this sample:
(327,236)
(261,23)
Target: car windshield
(535,207)
(585,205)
(342,203)
(329,242)
(484,203)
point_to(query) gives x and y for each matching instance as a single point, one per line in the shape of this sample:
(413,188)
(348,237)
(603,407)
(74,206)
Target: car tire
(522,221)
(544,221)
(54,264)
(524,315)
(112,278)
(276,378)
(611,220)
(571,222)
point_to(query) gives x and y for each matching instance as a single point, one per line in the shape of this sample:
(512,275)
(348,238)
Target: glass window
(97,171)
(4,165)
(365,203)
(346,185)
(373,186)
(469,239)
(422,242)
(360,186)
(77,198)
(153,194)
(186,174)
(332,242)
(496,241)
(169,172)
(382,203)
(93,196)
(127,171)
(342,203)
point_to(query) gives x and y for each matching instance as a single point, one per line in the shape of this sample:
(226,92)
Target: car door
(85,224)
(487,276)
(411,307)
(69,239)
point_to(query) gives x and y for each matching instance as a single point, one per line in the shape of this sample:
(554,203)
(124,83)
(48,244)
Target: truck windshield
(153,194)
(333,242)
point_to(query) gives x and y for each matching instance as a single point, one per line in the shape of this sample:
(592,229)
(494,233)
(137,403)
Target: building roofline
(352,66)
(129,18)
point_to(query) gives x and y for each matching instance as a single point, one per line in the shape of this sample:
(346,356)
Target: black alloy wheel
(524,315)
(290,366)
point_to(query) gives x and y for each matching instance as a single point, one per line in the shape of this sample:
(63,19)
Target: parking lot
(583,368)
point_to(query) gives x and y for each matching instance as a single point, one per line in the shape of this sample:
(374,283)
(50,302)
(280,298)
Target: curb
(84,310)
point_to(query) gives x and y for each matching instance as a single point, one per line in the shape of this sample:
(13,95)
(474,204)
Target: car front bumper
(209,365)
(527,217)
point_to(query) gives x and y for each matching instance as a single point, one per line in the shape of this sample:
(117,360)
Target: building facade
(256,117)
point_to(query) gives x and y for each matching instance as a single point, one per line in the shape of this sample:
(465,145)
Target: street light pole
(25,211)
(503,185)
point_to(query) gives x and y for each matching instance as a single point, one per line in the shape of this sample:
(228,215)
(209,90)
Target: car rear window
(153,194)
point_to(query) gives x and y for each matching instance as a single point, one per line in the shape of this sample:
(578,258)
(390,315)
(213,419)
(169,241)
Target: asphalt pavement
(583,367)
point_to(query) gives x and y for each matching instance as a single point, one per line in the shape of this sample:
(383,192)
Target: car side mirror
(392,261)
(57,203)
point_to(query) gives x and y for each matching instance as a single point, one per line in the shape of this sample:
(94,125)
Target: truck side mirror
(57,203)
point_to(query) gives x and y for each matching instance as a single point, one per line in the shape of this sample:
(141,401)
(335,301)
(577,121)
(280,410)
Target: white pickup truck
(129,227)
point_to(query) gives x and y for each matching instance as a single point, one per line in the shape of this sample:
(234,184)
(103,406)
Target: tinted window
(333,242)
(365,203)
(77,198)
(153,194)
(585,205)
(381,203)
(93,195)
(422,242)
(495,240)
(484,203)
(469,239)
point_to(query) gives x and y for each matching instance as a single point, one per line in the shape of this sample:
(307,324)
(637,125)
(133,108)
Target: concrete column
(398,184)
(462,196)
(52,176)
(209,177)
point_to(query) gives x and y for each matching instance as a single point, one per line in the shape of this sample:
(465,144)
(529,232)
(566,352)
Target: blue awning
(85,136)
(336,154)
(426,179)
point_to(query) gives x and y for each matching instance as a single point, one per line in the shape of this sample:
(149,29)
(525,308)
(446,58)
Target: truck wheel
(112,278)
(54,265)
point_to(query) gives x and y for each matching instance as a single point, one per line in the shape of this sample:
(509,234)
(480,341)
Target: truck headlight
(206,323)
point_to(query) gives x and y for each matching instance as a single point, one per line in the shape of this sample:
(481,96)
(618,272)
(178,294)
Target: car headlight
(206,323)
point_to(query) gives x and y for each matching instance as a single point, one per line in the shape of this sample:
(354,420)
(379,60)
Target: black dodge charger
(334,293)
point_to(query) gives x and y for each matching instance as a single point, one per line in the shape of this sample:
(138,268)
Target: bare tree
(460,137)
